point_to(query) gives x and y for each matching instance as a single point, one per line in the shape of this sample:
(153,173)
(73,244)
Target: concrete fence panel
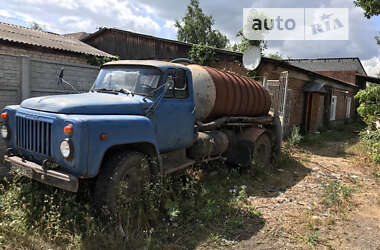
(22,77)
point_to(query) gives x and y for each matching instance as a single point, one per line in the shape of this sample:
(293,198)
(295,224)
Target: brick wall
(341,104)
(41,53)
(298,101)
(346,76)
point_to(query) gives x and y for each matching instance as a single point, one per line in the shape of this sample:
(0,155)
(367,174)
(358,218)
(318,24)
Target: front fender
(119,130)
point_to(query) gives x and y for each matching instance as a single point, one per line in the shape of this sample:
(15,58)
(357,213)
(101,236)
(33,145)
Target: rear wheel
(119,185)
(262,153)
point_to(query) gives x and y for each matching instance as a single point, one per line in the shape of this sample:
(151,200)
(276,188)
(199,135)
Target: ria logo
(296,23)
(328,23)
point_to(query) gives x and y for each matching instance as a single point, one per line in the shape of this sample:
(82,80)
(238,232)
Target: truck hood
(90,104)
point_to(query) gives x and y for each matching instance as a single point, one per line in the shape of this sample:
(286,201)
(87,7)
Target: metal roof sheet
(22,35)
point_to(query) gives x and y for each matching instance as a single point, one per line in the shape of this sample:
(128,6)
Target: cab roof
(163,65)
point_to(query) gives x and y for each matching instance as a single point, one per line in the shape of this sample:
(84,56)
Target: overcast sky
(157,18)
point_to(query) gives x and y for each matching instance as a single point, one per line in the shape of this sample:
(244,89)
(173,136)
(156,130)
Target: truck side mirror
(61,73)
(60,77)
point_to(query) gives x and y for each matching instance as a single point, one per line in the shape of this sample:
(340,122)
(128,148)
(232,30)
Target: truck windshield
(136,80)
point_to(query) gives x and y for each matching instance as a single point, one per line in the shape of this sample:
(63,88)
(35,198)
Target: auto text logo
(296,23)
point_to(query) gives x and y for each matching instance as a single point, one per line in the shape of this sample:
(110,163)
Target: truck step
(173,166)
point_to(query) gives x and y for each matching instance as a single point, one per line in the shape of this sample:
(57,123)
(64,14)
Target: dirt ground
(294,214)
(324,194)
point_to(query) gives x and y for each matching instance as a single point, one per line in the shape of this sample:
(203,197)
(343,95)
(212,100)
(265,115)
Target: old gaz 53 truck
(178,115)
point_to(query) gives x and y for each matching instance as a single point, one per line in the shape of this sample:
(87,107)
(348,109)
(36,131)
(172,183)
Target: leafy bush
(369,100)
(98,60)
(371,140)
(202,54)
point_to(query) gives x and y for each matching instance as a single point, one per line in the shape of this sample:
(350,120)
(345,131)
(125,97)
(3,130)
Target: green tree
(35,26)
(196,27)
(369,108)
(245,43)
(202,54)
(370,7)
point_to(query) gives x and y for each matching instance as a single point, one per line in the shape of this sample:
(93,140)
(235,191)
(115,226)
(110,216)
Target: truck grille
(33,135)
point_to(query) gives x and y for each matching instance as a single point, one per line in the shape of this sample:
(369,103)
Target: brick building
(344,69)
(316,98)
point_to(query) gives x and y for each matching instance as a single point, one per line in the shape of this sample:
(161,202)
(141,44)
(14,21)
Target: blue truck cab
(142,104)
(134,111)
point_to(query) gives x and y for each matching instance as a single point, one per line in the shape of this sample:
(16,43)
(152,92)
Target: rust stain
(238,95)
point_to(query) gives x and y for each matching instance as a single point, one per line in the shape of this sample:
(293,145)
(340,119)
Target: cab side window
(179,82)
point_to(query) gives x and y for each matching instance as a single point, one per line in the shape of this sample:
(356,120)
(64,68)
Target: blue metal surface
(36,126)
(174,121)
(89,104)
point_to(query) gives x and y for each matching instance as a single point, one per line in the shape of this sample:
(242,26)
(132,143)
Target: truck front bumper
(50,177)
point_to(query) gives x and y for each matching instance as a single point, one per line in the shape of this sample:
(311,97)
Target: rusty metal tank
(218,94)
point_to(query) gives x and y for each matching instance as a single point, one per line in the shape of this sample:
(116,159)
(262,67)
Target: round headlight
(66,148)
(4,131)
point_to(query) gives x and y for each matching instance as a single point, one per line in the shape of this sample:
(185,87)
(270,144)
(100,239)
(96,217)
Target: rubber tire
(113,171)
(262,153)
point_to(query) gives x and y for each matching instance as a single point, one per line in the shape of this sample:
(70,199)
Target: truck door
(174,117)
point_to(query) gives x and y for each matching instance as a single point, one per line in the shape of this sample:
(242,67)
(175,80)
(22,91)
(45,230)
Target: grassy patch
(338,133)
(189,210)
(313,238)
(336,194)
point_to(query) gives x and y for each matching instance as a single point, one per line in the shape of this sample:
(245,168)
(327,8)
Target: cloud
(169,24)
(228,18)
(157,18)
(66,16)
(372,66)
(5,13)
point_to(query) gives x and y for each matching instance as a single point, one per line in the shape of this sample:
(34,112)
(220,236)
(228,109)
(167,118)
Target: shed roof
(21,35)
(369,78)
(287,65)
(329,64)
(101,31)
(315,87)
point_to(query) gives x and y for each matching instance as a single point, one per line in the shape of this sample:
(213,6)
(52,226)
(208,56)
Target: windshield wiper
(126,91)
(104,90)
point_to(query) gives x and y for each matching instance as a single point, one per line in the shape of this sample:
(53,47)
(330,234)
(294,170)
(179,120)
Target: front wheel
(118,187)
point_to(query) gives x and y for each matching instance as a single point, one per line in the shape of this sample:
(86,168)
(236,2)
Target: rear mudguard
(240,146)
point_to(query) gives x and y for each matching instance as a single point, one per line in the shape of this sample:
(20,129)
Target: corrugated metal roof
(22,35)
(286,64)
(343,59)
